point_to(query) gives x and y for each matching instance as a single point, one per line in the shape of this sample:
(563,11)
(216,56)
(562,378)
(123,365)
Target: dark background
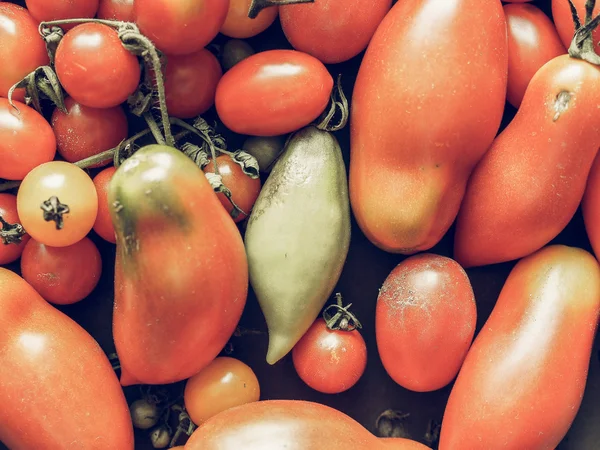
(365,270)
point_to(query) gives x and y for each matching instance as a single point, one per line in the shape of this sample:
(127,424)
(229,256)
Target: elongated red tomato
(563,20)
(8,211)
(427,103)
(523,380)
(58,388)
(332,30)
(273,92)
(532,42)
(591,206)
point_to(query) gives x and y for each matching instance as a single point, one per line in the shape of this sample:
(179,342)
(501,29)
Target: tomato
(45,11)
(532,42)
(333,30)
(191,83)
(273,92)
(244,189)
(180,27)
(54,186)
(103,225)
(83,132)
(239,25)
(408,171)
(94,67)
(425,322)
(22,49)
(563,20)
(591,206)
(57,377)
(223,384)
(26,140)
(234,51)
(8,211)
(116,10)
(527,369)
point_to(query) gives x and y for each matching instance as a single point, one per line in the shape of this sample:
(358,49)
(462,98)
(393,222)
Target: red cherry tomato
(239,25)
(116,10)
(94,67)
(26,140)
(563,20)
(191,83)
(273,92)
(8,211)
(62,275)
(104,225)
(45,11)
(22,49)
(180,27)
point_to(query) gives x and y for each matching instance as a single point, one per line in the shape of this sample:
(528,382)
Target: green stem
(582,46)
(153,126)
(258,5)
(343,319)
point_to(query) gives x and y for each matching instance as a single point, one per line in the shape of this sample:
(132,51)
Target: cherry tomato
(103,225)
(22,49)
(71,187)
(94,67)
(239,25)
(45,11)
(116,10)
(180,27)
(85,131)
(26,140)
(191,83)
(223,384)
(244,189)
(8,211)
(62,275)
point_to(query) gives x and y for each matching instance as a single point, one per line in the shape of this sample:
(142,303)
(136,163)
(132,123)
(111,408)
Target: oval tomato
(57,377)
(45,11)
(273,92)
(238,25)
(591,206)
(332,30)
(8,212)
(563,20)
(116,10)
(103,225)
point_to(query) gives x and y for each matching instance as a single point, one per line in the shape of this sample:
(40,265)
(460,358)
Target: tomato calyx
(338,317)
(11,233)
(216,182)
(392,424)
(54,210)
(582,45)
(338,105)
(258,5)
(44,81)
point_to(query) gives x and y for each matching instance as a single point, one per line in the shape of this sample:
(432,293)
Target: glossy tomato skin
(591,206)
(408,172)
(103,225)
(532,42)
(58,387)
(238,25)
(22,48)
(563,20)
(273,92)
(116,10)
(515,205)
(527,369)
(8,211)
(425,322)
(180,27)
(94,67)
(26,140)
(45,11)
(332,30)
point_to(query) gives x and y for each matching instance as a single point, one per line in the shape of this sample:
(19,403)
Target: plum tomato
(104,225)
(239,25)
(8,213)
(116,10)
(45,11)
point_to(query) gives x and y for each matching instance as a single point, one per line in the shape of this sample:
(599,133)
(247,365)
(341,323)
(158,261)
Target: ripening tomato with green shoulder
(12,238)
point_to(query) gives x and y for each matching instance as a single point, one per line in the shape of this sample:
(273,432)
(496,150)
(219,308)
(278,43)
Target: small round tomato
(62,275)
(22,49)
(94,67)
(116,10)
(244,189)
(57,204)
(8,212)
(180,27)
(104,225)
(223,384)
(45,11)
(563,20)
(26,140)
(239,25)
(191,83)
(234,51)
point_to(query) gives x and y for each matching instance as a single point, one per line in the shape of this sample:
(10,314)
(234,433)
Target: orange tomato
(239,25)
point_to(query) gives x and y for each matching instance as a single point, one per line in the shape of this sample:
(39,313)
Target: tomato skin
(563,20)
(273,92)
(515,205)
(591,206)
(26,140)
(45,11)
(51,373)
(8,211)
(425,322)
(238,25)
(103,225)
(330,361)
(332,30)
(116,10)
(21,45)
(527,369)
(407,172)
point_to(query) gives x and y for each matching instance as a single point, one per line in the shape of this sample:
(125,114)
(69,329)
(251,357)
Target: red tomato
(180,27)
(26,140)
(563,20)
(591,207)
(522,382)
(57,377)
(532,42)
(103,225)
(425,322)
(191,83)
(21,45)
(116,10)
(408,171)
(239,25)
(8,211)
(84,131)
(62,275)
(333,30)
(273,92)
(94,67)
(45,11)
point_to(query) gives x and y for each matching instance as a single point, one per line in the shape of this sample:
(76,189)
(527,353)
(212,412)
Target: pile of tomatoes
(147,145)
